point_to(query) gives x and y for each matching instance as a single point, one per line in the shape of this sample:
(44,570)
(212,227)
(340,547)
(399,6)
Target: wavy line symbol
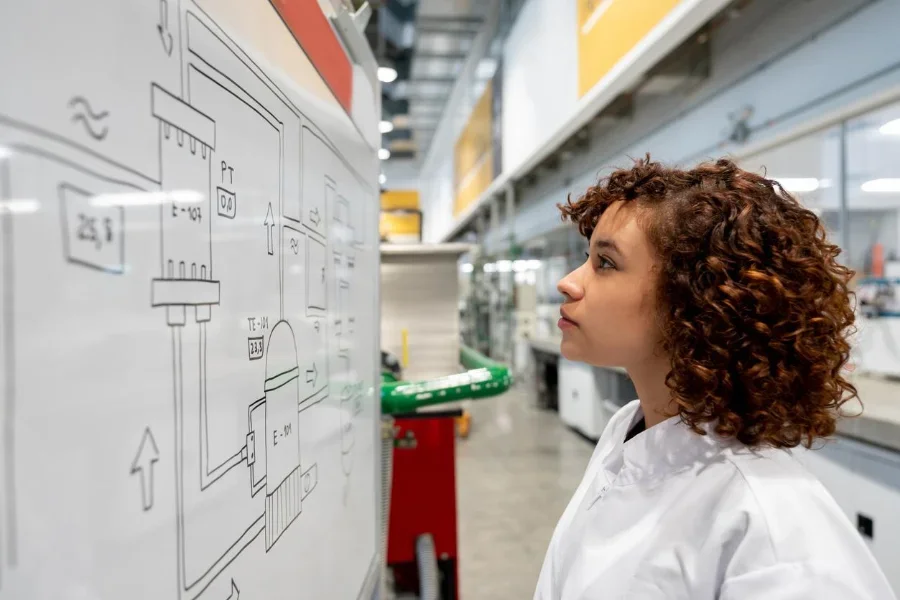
(90,119)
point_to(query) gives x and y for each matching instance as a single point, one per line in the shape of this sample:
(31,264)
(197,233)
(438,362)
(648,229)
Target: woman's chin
(569,350)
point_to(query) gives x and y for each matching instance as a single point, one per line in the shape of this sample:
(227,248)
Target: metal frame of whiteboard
(188,252)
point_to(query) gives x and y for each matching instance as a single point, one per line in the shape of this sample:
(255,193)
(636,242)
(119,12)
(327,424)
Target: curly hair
(754,309)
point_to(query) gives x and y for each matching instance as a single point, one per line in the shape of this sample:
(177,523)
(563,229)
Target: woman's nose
(570,285)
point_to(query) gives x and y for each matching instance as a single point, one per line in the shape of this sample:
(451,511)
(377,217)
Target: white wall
(540,77)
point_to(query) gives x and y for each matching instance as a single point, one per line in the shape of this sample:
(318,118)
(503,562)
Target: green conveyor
(483,379)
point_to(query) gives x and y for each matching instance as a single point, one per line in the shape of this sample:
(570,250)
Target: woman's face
(609,310)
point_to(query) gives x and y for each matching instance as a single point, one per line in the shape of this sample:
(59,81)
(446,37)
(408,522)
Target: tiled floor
(515,475)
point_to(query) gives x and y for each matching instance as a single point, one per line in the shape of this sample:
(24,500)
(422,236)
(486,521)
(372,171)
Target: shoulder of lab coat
(796,542)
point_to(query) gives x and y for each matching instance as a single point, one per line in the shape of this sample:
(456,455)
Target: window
(873,193)
(809,168)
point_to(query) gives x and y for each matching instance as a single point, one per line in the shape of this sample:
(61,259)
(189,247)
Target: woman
(721,296)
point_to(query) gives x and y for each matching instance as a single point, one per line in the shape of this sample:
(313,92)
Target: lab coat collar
(658,452)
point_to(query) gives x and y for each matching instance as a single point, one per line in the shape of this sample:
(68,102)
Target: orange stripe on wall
(313,32)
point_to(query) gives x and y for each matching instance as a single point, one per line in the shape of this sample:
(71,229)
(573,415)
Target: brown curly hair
(754,309)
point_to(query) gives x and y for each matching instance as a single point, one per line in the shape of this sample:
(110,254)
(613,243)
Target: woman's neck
(649,380)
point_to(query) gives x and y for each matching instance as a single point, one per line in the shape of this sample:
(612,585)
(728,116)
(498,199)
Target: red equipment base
(423,497)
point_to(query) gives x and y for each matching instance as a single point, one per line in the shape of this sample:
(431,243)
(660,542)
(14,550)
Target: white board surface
(188,341)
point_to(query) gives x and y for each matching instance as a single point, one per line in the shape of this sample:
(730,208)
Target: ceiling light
(384,153)
(890,128)
(490,267)
(888,185)
(486,68)
(387,74)
(5,152)
(798,184)
(466,267)
(385,127)
(504,266)
(382,179)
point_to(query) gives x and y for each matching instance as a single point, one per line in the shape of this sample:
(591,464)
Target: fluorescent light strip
(886,185)
(798,184)
(890,128)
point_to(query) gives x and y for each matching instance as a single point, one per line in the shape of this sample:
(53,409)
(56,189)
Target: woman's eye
(604,263)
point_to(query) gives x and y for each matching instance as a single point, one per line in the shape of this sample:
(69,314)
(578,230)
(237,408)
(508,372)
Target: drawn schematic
(189,287)
(345,323)
(196,135)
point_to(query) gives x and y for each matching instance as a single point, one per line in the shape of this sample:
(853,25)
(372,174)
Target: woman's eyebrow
(606,244)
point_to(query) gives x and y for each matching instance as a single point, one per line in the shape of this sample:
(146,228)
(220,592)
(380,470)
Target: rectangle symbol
(226,203)
(94,233)
(315,274)
(255,347)
(184,292)
(185,117)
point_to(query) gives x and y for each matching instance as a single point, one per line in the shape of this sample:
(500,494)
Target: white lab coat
(672,514)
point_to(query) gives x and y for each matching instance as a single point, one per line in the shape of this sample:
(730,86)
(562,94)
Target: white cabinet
(581,397)
(865,482)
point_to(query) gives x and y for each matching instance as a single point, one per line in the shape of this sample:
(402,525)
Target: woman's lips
(565,323)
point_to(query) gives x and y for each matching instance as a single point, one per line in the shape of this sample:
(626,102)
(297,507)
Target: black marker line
(311,401)
(281,385)
(162,246)
(192,69)
(181,17)
(25,148)
(179,457)
(261,524)
(277,375)
(267,81)
(259,73)
(211,475)
(66,142)
(258,522)
(213,199)
(235,84)
(9,354)
(280,230)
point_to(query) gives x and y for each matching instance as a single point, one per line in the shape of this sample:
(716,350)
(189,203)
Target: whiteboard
(188,341)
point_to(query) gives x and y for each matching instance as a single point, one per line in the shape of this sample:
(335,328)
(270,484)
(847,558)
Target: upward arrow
(270,228)
(235,592)
(143,462)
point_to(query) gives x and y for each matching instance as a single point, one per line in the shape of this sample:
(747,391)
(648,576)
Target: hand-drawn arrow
(315,217)
(270,226)
(235,592)
(163,28)
(147,455)
(317,327)
(312,375)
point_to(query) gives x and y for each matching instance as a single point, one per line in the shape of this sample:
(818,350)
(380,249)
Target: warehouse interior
(449,299)
(500,111)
